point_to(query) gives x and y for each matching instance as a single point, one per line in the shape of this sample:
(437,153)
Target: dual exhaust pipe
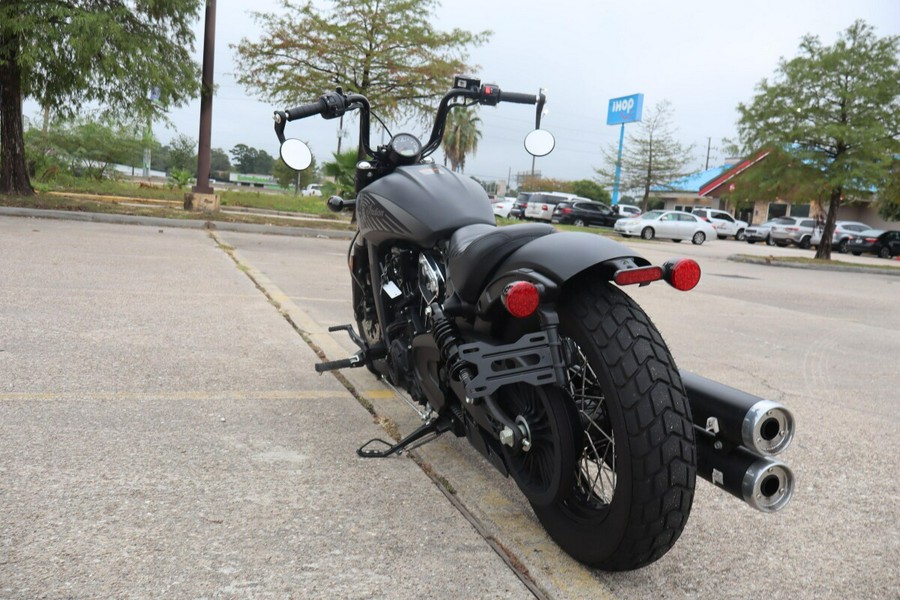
(737,435)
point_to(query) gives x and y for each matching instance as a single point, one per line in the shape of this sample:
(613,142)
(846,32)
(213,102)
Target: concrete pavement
(163,434)
(837,539)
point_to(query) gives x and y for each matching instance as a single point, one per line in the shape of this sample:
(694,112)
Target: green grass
(277,201)
(250,198)
(53,202)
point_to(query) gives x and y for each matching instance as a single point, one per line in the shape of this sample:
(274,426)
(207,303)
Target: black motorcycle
(520,339)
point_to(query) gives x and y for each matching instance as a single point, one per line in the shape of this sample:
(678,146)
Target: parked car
(518,209)
(885,244)
(583,213)
(627,210)
(724,223)
(502,206)
(793,230)
(675,225)
(760,233)
(843,231)
(313,189)
(542,204)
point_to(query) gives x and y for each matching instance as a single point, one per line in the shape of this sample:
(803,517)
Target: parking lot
(163,434)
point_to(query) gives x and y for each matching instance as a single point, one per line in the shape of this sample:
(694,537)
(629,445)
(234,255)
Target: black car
(518,208)
(584,213)
(883,243)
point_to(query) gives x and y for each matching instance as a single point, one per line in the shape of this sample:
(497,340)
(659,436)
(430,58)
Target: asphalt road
(162,433)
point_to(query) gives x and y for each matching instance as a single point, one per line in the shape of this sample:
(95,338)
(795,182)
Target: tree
(219,161)
(66,54)
(264,163)
(288,177)
(182,154)
(460,137)
(591,190)
(252,160)
(386,50)
(343,170)
(82,146)
(889,198)
(831,116)
(651,157)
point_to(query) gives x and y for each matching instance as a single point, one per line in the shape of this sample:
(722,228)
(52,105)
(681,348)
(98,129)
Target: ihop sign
(626,109)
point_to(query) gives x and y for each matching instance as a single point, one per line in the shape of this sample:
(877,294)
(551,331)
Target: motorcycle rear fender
(552,260)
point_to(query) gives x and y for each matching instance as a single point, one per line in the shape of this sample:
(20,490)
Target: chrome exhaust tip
(768,485)
(768,428)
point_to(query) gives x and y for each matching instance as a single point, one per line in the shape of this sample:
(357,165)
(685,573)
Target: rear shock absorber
(447,339)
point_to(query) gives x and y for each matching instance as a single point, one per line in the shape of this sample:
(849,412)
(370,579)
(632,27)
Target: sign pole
(615,196)
(626,109)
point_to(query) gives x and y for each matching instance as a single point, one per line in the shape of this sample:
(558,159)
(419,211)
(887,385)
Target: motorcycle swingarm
(533,359)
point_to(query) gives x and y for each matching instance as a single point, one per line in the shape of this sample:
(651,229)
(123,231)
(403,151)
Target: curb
(823,267)
(176,223)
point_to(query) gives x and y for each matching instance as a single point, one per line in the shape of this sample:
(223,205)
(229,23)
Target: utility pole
(708,146)
(206,98)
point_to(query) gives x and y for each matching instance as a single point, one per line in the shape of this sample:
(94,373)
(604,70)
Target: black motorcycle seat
(476,250)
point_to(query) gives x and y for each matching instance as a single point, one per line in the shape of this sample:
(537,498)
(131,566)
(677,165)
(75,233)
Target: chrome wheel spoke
(596,478)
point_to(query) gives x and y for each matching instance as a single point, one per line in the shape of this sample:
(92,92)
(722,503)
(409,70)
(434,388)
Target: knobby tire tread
(657,420)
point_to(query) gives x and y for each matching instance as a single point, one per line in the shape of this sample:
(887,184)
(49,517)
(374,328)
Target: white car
(674,225)
(502,206)
(627,210)
(313,189)
(725,224)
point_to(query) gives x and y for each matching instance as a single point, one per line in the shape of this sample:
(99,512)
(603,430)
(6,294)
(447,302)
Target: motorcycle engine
(410,281)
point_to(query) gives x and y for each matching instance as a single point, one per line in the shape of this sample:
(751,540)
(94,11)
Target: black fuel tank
(422,204)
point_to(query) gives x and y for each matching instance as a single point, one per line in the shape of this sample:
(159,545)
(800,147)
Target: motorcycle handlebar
(335,103)
(305,110)
(517,98)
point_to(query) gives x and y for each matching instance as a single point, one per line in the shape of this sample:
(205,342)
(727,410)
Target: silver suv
(793,230)
(542,204)
(843,231)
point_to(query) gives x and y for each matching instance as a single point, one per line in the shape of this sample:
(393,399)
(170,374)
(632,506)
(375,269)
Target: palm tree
(343,171)
(461,137)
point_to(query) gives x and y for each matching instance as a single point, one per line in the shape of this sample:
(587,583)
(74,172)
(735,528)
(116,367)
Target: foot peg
(359,359)
(415,439)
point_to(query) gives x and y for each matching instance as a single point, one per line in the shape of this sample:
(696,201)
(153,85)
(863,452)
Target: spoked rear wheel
(545,471)
(636,470)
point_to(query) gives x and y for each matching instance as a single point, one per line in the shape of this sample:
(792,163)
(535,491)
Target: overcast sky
(704,56)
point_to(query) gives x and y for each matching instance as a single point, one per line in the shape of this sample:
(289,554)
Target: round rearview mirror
(296,154)
(539,142)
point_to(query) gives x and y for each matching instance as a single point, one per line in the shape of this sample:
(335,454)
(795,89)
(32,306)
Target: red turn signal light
(641,275)
(521,299)
(682,273)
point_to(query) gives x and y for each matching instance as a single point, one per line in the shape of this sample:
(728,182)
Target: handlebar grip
(306,110)
(518,98)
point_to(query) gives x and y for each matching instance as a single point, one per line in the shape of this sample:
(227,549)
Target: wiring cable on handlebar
(386,129)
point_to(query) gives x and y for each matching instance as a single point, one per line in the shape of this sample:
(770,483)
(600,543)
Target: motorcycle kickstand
(435,428)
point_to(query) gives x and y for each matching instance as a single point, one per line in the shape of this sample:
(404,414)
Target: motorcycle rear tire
(649,417)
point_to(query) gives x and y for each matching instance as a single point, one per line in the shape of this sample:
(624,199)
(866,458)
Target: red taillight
(682,273)
(871,240)
(521,299)
(567,211)
(642,275)
(792,229)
